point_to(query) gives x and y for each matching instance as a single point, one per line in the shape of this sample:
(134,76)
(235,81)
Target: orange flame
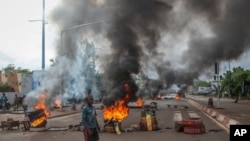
(177,97)
(119,111)
(158,96)
(139,102)
(57,102)
(38,121)
(41,104)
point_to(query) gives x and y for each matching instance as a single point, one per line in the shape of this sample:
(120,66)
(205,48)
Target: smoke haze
(180,40)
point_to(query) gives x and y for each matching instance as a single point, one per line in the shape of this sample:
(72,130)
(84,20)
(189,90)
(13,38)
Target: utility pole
(229,79)
(217,79)
(43,36)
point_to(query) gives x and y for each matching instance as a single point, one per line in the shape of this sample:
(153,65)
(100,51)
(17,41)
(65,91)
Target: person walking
(89,121)
(4,101)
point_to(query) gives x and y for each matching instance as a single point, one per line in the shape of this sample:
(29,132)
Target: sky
(21,40)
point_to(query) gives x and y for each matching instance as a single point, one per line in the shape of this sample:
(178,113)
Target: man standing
(16,102)
(91,126)
(25,105)
(4,101)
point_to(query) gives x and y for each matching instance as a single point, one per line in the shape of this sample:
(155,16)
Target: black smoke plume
(142,34)
(229,23)
(134,22)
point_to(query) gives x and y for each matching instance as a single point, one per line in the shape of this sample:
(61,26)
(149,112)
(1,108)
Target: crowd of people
(5,104)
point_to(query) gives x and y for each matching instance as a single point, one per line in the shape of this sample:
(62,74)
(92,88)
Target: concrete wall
(26,83)
(3,78)
(20,82)
(11,96)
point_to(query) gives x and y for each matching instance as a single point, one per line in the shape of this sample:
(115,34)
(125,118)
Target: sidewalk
(229,114)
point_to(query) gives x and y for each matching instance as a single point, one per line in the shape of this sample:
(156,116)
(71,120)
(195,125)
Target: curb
(224,120)
(63,114)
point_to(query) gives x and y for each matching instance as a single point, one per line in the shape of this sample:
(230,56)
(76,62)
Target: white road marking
(177,116)
(192,114)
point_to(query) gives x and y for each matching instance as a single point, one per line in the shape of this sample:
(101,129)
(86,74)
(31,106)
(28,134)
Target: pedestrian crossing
(180,115)
(177,116)
(193,115)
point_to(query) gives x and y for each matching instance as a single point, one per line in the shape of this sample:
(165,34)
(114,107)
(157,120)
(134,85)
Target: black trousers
(93,137)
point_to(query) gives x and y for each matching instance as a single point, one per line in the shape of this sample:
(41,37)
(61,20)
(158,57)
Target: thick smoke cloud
(133,22)
(72,73)
(180,40)
(229,25)
(231,38)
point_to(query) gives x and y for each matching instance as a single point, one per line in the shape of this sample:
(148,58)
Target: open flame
(41,104)
(177,97)
(57,102)
(119,111)
(158,96)
(38,121)
(139,102)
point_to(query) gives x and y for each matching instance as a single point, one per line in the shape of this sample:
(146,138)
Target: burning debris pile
(57,102)
(115,113)
(139,102)
(38,117)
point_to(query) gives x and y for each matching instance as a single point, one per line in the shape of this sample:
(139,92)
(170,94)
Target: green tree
(226,82)
(201,83)
(233,81)
(21,70)
(12,68)
(6,88)
(9,68)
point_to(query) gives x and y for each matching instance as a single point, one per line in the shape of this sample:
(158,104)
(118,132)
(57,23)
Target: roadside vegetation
(235,84)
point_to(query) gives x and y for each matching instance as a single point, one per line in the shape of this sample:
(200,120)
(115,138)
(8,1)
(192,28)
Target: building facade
(20,82)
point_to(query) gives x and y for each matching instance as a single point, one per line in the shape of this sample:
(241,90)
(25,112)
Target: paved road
(237,111)
(165,117)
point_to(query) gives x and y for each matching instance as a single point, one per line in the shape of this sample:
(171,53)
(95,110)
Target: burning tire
(37,118)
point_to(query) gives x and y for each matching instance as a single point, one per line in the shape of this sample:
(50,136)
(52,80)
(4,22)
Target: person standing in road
(16,102)
(25,105)
(89,121)
(4,101)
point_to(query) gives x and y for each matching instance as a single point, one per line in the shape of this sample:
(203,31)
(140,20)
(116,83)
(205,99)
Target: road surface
(165,114)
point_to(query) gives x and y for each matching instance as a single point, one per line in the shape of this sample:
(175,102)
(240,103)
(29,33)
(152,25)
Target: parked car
(204,90)
(169,96)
